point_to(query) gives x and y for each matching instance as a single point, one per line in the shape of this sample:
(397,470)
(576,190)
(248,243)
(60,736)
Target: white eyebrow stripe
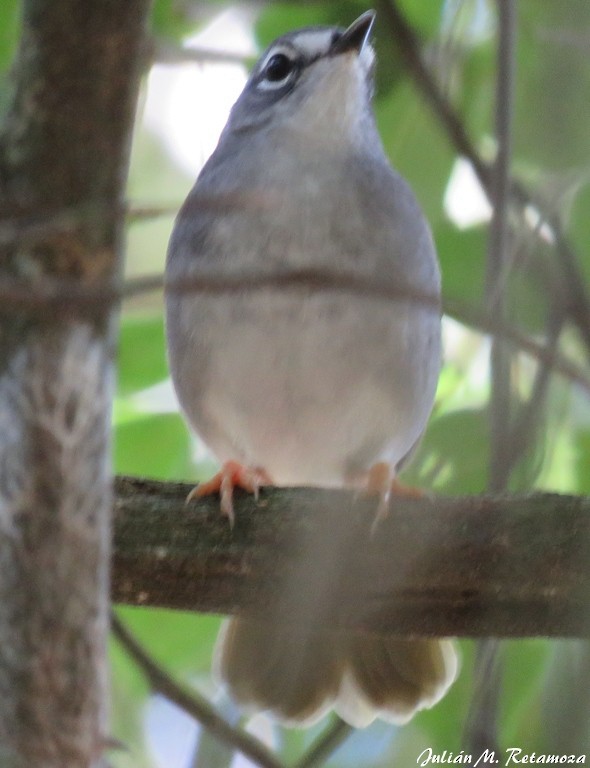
(314,42)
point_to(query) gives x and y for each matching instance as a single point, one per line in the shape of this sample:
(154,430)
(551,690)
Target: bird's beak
(355,37)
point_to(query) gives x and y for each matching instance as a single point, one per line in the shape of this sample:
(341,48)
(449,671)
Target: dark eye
(278,68)
(277,71)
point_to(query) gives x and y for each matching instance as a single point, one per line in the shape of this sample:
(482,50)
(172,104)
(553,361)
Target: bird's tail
(297,675)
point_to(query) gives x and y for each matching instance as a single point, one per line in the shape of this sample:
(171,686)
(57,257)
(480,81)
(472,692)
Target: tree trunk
(64,146)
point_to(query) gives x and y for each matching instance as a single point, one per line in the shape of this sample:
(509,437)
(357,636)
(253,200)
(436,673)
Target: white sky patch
(465,202)
(188,104)
(171,734)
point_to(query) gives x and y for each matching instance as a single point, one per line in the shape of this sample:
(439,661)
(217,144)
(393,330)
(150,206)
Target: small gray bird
(312,388)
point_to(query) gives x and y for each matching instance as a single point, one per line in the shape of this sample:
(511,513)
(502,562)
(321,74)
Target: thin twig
(327,743)
(482,722)
(481,321)
(193,704)
(579,305)
(62,294)
(36,227)
(498,261)
(482,715)
(165,52)
(139,213)
(524,426)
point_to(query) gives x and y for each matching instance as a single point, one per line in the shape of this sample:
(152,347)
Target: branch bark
(63,146)
(476,566)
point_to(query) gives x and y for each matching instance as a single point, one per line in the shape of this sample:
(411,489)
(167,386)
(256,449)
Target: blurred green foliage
(9,19)
(552,151)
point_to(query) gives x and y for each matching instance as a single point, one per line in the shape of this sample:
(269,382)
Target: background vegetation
(543,693)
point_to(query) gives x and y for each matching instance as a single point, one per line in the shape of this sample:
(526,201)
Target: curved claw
(231,475)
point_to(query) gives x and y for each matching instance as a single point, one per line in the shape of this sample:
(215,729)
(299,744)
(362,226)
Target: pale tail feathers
(293,674)
(297,676)
(393,679)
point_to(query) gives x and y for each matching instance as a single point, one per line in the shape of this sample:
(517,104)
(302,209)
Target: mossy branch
(508,566)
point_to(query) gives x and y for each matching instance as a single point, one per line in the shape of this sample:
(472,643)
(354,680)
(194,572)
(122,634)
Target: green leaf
(416,145)
(182,642)
(476,90)
(142,356)
(462,256)
(9,31)
(552,108)
(525,662)
(424,15)
(154,446)
(454,454)
(580,228)
(170,19)
(278,18)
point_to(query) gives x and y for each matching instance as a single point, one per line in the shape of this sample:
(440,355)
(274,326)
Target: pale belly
(312,390)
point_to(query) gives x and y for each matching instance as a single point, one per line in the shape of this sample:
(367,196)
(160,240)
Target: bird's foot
(380,482)
(231,475)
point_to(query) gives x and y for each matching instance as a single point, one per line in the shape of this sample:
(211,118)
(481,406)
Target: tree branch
(474,566)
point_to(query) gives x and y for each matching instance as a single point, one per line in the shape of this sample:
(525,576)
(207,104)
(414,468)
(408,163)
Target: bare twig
(36,227)
(481,726)
(192,703)
(526,420)
(61,295)
(498,261)
(139,213)
(325,745)
(481,321)
(481,729)
(165,52)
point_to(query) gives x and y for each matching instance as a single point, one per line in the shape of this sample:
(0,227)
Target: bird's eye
(278,68)
(277,71)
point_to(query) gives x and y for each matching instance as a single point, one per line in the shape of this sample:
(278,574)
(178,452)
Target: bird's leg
(381,482)
(231,475)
